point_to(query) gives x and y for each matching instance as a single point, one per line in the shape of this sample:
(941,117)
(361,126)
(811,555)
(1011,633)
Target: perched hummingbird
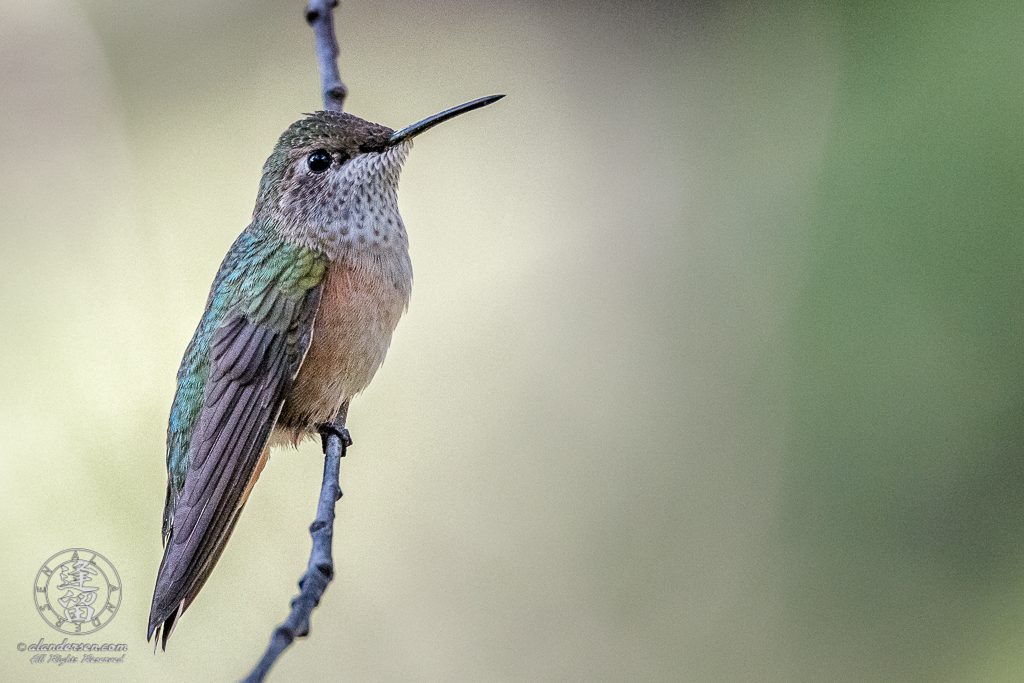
(299,318)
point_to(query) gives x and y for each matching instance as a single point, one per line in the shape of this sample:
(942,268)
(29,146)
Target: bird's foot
(330,430)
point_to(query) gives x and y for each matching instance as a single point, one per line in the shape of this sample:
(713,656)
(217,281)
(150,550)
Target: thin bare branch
(336,440)
(320,15)
(320,570)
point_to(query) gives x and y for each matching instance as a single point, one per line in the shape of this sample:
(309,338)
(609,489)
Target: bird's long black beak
(431,121)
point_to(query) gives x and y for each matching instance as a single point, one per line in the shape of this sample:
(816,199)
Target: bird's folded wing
(254,356)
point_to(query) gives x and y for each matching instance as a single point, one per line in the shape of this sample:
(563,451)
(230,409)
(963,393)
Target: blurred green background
(713,370)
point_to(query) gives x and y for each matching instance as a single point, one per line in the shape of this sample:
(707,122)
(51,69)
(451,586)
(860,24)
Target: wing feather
(254,355)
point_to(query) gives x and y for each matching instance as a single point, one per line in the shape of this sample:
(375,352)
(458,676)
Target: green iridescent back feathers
(264,276)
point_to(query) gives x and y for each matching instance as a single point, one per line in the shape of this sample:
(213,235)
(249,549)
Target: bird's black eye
(319,161)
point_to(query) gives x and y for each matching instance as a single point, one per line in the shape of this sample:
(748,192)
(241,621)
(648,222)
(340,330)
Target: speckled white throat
(351,207)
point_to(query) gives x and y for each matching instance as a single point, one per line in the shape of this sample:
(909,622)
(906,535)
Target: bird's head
(333,178)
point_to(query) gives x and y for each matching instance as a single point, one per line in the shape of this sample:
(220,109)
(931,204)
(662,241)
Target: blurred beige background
(712,371)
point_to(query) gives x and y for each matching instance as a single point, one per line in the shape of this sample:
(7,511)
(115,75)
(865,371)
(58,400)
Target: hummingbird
(298,320)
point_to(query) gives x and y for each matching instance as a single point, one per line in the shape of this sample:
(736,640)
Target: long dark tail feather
(163,618)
